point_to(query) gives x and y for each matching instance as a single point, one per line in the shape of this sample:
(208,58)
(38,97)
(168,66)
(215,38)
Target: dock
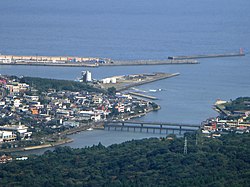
(143,95)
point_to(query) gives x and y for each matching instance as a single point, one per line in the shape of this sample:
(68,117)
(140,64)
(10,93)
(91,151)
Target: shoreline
(95,125)
(148,81)
(23,149)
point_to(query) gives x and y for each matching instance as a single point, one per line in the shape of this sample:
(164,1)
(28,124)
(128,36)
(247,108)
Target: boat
(90,129)
(153,90)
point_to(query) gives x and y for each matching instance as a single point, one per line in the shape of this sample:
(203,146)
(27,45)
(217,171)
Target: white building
(86,76)
(6,136)
(32,97)
(21,129)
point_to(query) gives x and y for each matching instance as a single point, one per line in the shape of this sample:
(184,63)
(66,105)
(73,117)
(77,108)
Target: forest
(239,104)
(209,162)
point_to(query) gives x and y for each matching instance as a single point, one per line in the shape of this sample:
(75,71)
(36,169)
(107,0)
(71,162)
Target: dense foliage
(241,103)
(150,162)
(43,84)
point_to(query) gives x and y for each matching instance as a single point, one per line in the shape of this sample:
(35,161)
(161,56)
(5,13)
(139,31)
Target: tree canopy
(150,162)
(43,84)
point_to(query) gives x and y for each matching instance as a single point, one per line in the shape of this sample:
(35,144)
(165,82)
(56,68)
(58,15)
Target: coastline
(94,125)
(61,142)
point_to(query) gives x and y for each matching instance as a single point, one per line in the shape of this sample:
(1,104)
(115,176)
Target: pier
(150,127)
(241,53)
(143,95)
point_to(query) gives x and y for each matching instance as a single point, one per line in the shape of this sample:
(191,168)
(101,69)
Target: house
(5,158)
(71,124)
(97,99)
(31,97)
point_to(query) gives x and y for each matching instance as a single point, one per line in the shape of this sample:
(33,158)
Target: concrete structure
(86,76)
(113,80)
(106,81)
(21,129)
(7,136)
(34,58)
(151,127)
(71,124)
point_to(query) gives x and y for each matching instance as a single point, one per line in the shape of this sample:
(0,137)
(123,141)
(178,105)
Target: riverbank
(47,145)
(93,125)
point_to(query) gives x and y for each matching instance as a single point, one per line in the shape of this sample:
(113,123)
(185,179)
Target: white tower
(86,76)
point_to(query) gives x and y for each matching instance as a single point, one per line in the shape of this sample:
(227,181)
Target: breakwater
(143,95)
(125,84)
(72,61)
(149,62)
(205,56)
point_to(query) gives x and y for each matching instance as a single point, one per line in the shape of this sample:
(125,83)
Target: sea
(131,30)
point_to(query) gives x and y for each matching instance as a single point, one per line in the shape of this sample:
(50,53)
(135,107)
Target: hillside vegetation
(43,84)
(149,162)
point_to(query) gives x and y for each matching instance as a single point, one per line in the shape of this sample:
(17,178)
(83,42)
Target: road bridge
(151,127)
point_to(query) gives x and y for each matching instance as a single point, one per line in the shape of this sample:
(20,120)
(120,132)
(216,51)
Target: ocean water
(152,29)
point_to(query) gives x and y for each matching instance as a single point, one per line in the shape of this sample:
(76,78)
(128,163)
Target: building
(97,99)
(86,76)
(71,124)
(5,158)
(7,136)
(14,129)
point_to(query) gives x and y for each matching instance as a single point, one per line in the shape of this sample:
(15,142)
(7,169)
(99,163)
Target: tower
(86,76)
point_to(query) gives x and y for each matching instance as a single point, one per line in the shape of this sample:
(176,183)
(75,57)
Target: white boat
(153,90)
(90,129)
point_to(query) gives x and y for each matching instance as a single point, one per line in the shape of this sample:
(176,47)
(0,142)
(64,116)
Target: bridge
(150,127)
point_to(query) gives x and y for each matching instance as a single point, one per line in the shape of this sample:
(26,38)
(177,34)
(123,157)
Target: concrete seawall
(72,61)
(163,76)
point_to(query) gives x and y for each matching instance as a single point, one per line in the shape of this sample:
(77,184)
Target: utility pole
(185,146)
(196,139)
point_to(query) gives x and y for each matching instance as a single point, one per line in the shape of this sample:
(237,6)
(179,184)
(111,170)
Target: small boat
(90,129)
(153,90)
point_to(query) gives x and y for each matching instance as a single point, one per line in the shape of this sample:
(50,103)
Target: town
(32,115)
(234,118)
